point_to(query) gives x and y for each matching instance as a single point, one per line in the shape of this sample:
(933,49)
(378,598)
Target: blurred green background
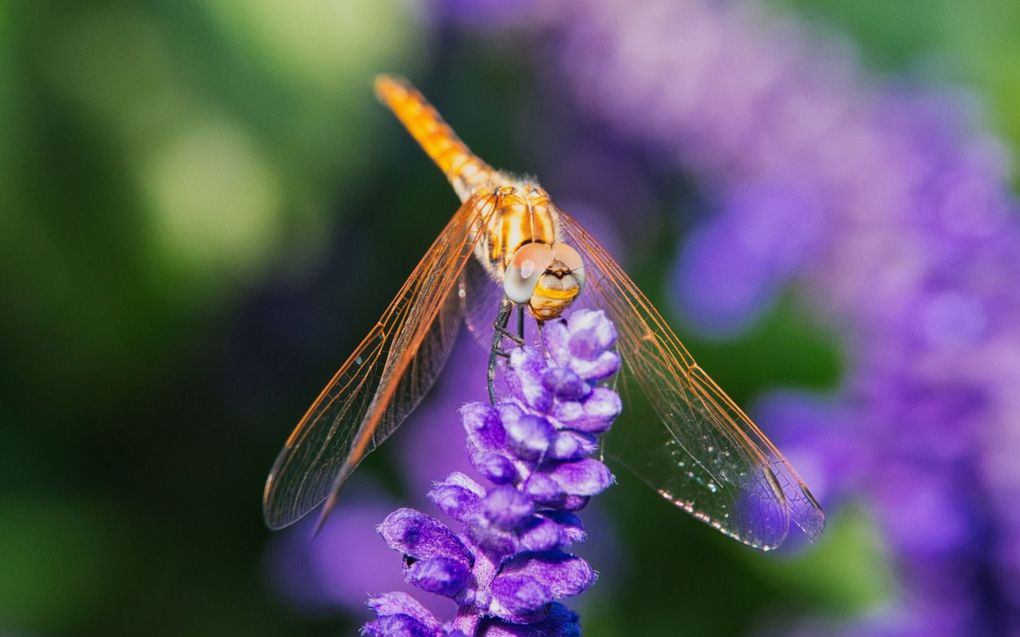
(202,208)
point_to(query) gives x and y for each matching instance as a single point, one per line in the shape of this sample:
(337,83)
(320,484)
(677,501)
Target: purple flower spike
(439,575)
(543,535)
(594,415)
(559,622)
(400,614)
(569,524)
(561,574)
(483,426)
(397,625)
(584,345)
(572,445)
(421,537)
(496,467)
(519,598)
(456,496)
(585,477)
(565,384)
(529,436)
(508,569)
(526,383)
(506,507)
(541,487)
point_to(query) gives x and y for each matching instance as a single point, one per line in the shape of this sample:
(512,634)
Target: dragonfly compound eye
(526,267)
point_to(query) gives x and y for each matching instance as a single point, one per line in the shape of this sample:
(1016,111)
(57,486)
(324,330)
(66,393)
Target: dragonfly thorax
(521,249)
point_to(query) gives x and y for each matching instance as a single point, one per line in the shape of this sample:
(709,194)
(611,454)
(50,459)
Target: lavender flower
(508,569)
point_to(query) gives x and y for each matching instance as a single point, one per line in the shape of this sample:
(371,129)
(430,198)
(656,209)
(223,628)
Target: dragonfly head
(546,277)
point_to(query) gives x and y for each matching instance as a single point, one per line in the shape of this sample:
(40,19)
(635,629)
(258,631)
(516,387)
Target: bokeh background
(203,208)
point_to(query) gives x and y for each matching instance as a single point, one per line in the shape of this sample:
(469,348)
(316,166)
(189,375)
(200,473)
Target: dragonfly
(510,248)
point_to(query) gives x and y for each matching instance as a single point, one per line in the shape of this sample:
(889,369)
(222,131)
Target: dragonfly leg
(502,331)
(506,306)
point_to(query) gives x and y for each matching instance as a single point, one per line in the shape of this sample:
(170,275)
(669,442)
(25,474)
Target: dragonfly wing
(697,449)
(379,384)
(480,295)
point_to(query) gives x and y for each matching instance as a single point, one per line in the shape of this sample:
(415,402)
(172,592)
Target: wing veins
(385,355)
(730,458)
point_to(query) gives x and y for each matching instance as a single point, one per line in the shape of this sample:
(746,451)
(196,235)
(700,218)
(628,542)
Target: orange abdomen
(465,170)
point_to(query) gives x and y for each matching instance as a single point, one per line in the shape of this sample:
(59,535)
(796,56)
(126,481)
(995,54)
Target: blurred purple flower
(508,568)
(732,268)
(800,424)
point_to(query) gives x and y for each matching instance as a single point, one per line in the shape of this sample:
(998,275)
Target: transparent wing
(480,296)
(698,449)
(379,384)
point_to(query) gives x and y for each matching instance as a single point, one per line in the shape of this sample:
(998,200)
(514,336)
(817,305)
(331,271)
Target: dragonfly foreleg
(500,325)
(499,330)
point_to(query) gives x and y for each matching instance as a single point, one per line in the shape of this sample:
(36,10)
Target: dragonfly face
(693,444)
(558,286)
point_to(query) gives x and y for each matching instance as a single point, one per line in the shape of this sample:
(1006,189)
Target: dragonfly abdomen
(465,170)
